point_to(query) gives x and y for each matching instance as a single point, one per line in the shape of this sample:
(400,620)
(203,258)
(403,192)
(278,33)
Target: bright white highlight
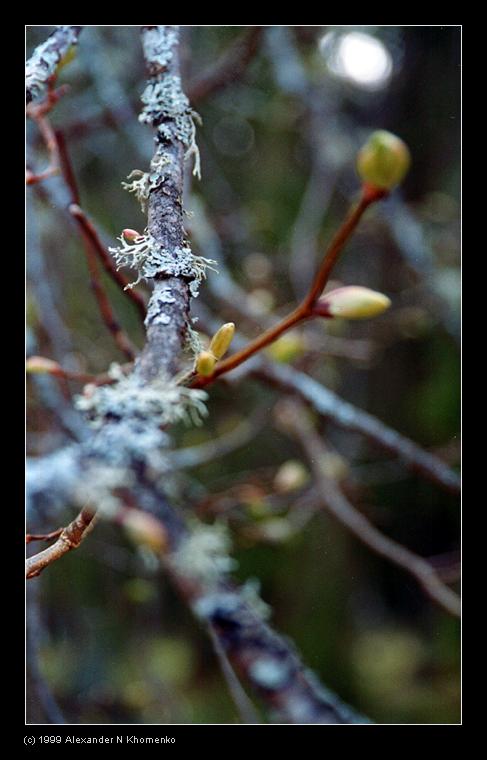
(358,57)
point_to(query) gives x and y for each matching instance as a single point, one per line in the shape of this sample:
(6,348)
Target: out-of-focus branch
(329,405)
(43,63)
(41,704)
(38,114)
(43,366)
(91,251)
(231,67)
(47,133)
(264,659)
(89,231)
(243,704)
(336,503)
(70,538)
(194,456)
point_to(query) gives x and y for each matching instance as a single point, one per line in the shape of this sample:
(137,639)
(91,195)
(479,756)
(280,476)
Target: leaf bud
(205,363)
(383,161)
(220,343)
(352,302)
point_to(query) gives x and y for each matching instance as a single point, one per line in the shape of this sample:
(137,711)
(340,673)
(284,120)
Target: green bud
(384,160)
(291,476)
(220,343)
(145,529)
(69,56)
(205,363)
(40,365)
(354,302)
(287,348)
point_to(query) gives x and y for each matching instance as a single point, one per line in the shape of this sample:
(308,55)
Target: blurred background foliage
(278,148)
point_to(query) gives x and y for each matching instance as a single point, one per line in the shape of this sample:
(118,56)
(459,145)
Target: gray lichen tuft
(166,107)
(43,62)
(151,260)
(158,48)
(156,404)
(203,555)
(143,182)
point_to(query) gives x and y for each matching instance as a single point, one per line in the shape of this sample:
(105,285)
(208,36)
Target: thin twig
(38,114)
(69,539)
(89,231)
(246,709)
(338,505)
(305,310)
(229,68)
(194,456)
(43,536)
(122,341)
(331,406)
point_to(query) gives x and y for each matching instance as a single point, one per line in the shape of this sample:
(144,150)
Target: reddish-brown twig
(69,538)
(90,233)
(38,364)
(305,309)
(122,341)
(43,536)
(38,113)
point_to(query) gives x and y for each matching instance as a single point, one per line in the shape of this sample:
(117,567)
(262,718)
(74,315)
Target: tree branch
(43,63)
(338,505)
(167,316)
(70,538)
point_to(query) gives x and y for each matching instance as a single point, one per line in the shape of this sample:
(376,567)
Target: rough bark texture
(166,322)
(45,59)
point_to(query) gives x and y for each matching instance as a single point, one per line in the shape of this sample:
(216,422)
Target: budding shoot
(220,343)
(205,363)
(383,161)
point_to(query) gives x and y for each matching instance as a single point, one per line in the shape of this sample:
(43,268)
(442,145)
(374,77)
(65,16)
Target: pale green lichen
(158,45)
(167,109)
(143,182)
(204,554)
(42,64)
(192,341)
(250,594)
(159,403)
(140,186)
(97,487)
(270,673)
(150,259)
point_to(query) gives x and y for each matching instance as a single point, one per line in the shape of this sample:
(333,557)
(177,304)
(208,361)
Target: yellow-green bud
(69,56)
(287,348)
(384,160)
(220,343)
(276,530)
(205,363)
(354,302)
(291,476)
(40,365)
(145,529)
